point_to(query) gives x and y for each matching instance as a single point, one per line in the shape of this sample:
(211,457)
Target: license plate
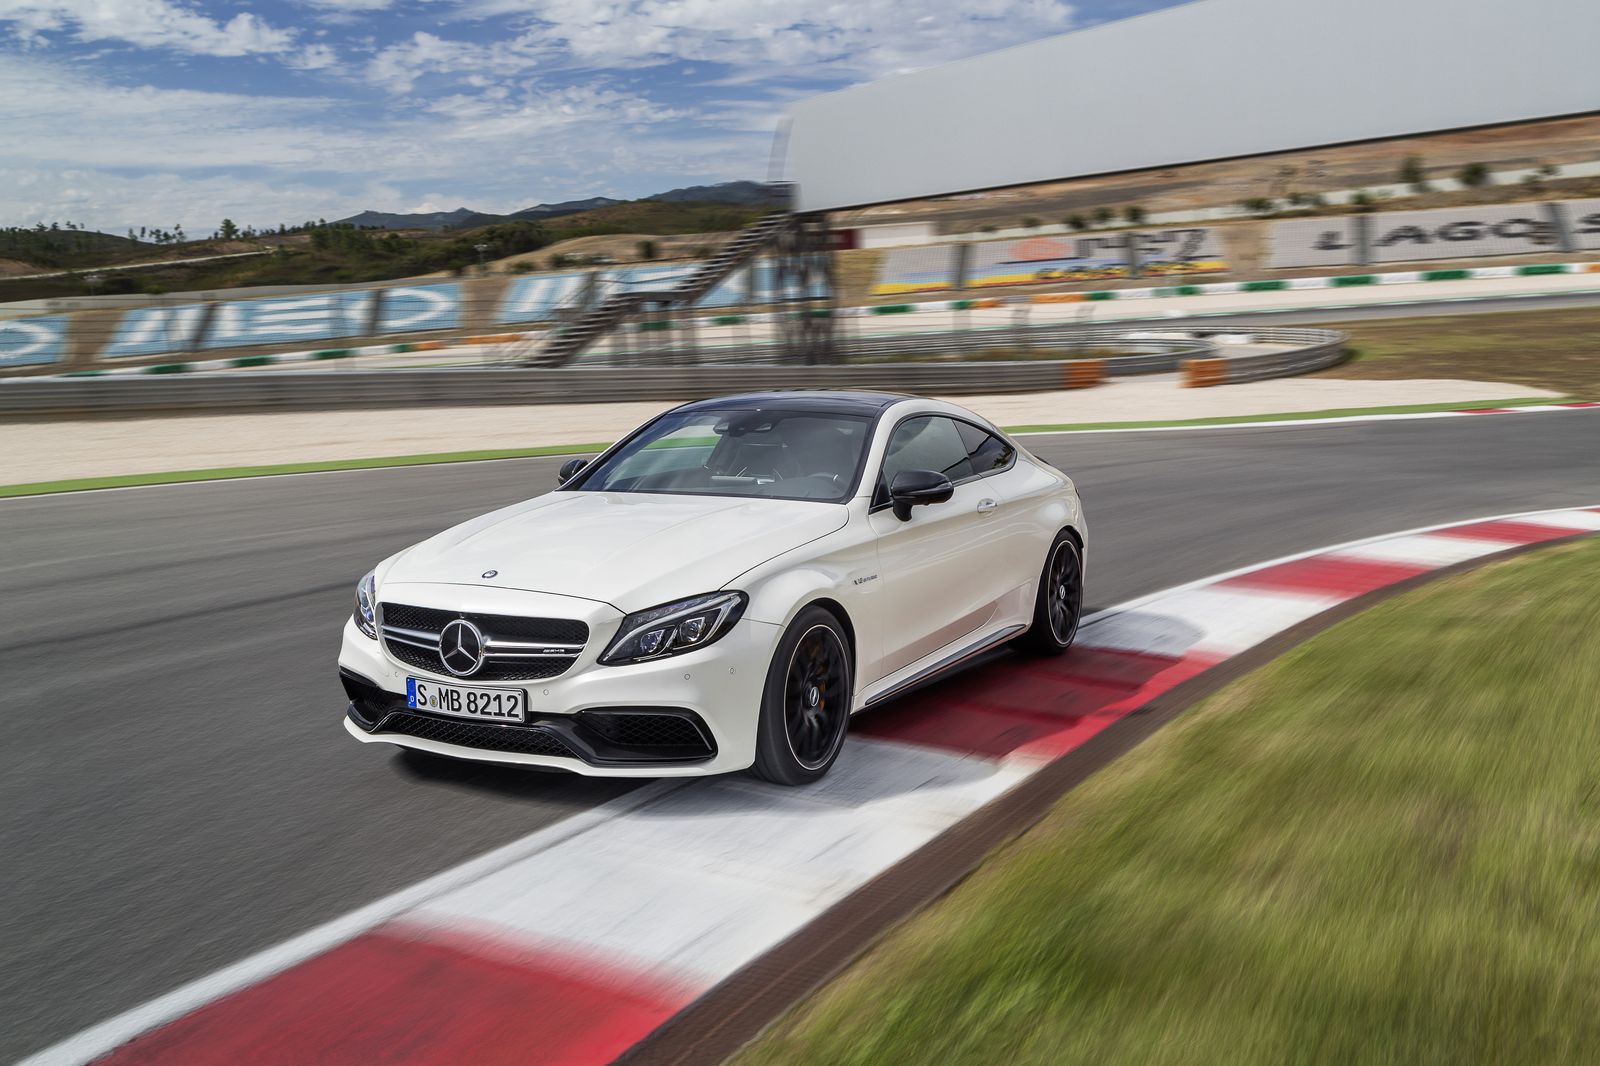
(487,704)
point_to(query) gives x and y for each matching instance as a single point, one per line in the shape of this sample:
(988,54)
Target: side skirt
(949,662)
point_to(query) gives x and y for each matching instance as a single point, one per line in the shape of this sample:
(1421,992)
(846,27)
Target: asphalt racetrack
(179,792)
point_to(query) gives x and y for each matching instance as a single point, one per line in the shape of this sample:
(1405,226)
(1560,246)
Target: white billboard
(1214,79)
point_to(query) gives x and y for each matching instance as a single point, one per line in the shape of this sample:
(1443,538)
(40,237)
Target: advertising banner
(285,320)
(1315,242)
(925,269)
(1172,252)
(1048,259)
(414,308)
(1583,220)
(157,331)
(33,341)
(536,299)
(1463,233)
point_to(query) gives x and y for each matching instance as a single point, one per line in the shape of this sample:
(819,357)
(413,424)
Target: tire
(1058,607)
(805,706)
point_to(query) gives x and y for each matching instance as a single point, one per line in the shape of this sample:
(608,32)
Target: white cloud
(314,57)
(64,115)
(146,23)
(775,38)
(195,156)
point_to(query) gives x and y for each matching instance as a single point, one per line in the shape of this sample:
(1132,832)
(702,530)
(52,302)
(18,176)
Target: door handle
(987,505)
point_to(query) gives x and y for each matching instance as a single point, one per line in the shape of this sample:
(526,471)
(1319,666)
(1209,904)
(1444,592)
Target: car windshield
(783,455)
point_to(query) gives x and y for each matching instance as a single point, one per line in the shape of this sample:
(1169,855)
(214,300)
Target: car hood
(632,550)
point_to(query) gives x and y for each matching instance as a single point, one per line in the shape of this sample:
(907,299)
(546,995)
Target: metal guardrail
(1305,351)
(433,388)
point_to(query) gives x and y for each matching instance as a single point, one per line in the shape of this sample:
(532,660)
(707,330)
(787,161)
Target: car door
(938,585)
(1012,554)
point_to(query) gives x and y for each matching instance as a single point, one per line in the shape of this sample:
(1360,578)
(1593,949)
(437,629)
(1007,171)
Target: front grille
(631,729)
(521,739)
(507,626)
(568,632)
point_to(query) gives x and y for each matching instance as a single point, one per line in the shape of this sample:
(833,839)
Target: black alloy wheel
(805,707)
(1059,605)
(815,704)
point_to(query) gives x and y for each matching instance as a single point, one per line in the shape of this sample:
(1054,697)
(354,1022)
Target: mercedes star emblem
(461,647)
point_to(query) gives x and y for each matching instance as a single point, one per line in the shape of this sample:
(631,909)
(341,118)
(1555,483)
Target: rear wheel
(1059,604)
(805,707)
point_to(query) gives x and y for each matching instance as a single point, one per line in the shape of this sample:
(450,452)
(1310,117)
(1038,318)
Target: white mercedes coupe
(720,590)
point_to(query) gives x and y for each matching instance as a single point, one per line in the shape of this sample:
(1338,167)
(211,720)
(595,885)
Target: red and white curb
(573,944)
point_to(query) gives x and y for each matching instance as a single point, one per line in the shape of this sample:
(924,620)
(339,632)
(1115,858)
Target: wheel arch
(842,616)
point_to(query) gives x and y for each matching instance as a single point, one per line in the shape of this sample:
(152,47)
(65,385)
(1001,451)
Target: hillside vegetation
(335,253)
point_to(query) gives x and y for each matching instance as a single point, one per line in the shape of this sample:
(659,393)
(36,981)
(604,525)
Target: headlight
(674,628)
(367,606)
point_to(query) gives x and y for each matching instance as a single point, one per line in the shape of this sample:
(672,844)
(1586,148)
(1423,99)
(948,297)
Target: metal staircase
(564,343)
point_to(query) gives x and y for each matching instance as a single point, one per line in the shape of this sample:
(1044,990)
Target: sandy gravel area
(46,451)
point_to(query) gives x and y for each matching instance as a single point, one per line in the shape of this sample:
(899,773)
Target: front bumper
(719,687)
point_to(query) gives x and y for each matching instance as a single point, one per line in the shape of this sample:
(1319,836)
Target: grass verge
(173,477)
(1293,416)
(1381,848)
(1550,349)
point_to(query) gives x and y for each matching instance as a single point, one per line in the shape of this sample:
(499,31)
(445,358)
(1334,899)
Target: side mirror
(569,469)
(913,488)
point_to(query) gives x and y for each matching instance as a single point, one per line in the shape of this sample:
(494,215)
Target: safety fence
(431,389)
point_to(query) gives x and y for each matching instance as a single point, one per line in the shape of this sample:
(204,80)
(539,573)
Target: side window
(985,451)
(926,443)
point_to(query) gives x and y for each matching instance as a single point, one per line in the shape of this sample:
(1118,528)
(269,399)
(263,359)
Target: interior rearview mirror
(568,469)
(914,488)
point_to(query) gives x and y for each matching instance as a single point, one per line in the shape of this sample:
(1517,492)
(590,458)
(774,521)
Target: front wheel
(1059,604)
(805,707)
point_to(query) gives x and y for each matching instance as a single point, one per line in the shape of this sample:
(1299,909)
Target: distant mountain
(728,192)
(566,207)
(428,220)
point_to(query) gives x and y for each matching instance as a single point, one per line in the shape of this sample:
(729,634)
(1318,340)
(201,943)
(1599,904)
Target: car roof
(819,401)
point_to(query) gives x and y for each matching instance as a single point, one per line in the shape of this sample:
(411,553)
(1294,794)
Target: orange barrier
(995,301)
(1083,373)
(493,338)
(1591,268)
(1059,298)
(1200,373)
(427,346)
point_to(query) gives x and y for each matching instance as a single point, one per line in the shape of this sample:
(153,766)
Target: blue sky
(119,113)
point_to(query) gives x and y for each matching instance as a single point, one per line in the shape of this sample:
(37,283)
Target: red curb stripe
(1046,707)
(1586,403)
(1328,574)
(1509,531)
(392,996)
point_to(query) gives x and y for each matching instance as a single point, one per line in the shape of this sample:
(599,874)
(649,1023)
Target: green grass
(1552,348)
(172,477)
(1295,416)
(1383,848)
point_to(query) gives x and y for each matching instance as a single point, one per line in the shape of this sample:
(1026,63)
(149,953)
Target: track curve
(179,791)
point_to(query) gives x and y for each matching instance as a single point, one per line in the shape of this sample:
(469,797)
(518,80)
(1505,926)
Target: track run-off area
(181,795)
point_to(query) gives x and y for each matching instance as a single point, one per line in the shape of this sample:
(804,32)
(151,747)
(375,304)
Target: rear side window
(927,443)
(986,452)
